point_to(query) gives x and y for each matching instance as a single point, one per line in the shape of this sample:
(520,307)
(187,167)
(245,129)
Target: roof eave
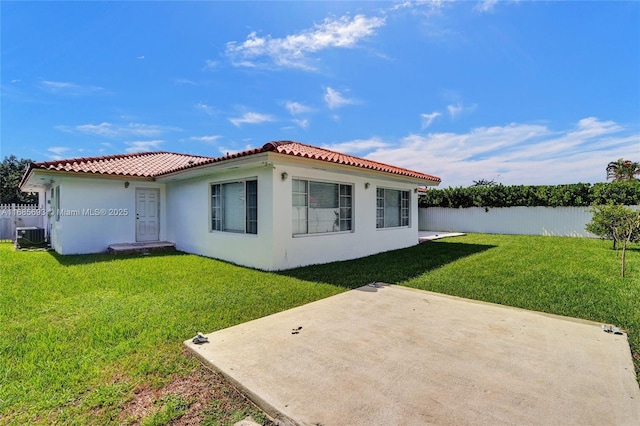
(26,177)
(353,169)
(29,179)
(223,164)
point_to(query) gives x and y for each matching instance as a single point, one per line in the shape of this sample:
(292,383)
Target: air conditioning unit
(30,236)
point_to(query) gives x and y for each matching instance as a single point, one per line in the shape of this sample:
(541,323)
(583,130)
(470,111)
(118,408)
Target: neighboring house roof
(154,164)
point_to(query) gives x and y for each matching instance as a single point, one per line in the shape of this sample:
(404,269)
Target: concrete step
(145,247)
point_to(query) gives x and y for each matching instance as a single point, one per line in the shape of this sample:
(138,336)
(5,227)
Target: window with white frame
(234,207)
(392,208)
(320,207)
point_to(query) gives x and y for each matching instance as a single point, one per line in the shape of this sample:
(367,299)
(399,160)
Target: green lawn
(83,336)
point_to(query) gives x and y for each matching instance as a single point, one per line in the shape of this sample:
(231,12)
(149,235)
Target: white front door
(147,214)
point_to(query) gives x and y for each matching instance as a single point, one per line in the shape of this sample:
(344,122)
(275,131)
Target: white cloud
(110,130)
(455,110)
(143,146)
(208,109)
(302,123)
(102,129)
(210,65)
(517,153)
(69,89)
(427,119)
(57,152)
(458,109)
(432,6)
(185,81)
(485,5)
(358,145)
(591,126)
(251,118)
(147,130)
(334,99)
(296,108)
(292,51)
(206,139)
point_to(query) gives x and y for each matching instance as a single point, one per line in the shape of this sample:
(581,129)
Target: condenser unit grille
(30,237)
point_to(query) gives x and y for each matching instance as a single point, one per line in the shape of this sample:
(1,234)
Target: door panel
(147,214)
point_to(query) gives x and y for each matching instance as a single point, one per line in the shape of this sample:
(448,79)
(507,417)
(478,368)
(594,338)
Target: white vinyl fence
(556,221)
(18,215)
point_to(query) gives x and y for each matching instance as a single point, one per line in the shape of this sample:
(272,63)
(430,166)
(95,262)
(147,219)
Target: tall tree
(622,170)
(11,171)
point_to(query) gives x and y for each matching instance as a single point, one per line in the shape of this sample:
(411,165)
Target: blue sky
(519,92)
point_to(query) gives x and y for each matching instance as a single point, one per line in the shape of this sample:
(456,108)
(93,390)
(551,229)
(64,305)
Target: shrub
(614,222)
(571,195)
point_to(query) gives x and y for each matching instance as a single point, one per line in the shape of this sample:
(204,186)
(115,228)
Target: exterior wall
(291,251)
(189,220)
(95,213)
(275,247)
(551,221)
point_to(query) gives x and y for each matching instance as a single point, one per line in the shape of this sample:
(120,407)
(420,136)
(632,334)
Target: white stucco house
(283,205)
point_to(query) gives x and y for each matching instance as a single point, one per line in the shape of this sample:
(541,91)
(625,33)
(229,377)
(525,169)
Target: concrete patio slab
(390,355)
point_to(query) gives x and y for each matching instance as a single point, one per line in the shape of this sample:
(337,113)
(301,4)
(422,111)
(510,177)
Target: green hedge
(572,195)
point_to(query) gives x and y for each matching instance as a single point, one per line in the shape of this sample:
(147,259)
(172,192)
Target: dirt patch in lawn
(206,395)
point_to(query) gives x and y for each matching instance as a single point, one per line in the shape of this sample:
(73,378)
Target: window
(392,208)
(234,207)
(320,207)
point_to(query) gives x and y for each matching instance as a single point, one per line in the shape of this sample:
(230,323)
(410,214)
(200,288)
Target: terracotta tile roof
(154,164)
(307,151)
(145,164)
